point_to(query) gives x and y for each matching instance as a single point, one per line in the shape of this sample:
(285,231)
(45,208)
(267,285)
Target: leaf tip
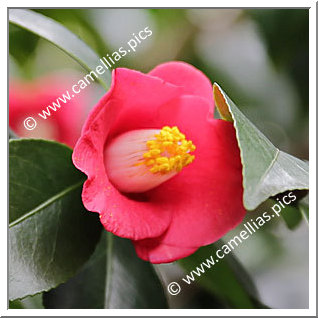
(221,103)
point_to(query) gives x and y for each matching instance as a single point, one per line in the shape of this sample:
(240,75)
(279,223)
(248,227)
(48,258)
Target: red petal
(204,200)
(151,250)
(131,103)
(206,197)
(192,80)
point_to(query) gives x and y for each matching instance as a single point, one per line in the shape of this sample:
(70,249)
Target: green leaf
(61,37)
(39,170)
(114,277)
(51,235)
(267,171)
(226,279)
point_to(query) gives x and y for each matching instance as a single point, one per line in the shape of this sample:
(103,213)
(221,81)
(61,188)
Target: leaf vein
(45,204)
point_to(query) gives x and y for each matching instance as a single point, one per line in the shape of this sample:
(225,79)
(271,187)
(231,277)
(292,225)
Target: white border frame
(312,155)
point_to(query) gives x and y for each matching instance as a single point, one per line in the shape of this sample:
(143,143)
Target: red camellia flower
(161,170)
(28,99)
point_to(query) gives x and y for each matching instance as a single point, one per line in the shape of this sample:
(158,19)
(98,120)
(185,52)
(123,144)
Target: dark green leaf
(58,35)
(39,170)
(267,171)
(226,279)
(114,277)
(51,235)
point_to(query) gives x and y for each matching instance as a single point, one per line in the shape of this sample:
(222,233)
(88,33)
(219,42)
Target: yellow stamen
(168,151)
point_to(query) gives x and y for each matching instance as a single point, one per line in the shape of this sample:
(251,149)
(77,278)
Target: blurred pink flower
(27,99)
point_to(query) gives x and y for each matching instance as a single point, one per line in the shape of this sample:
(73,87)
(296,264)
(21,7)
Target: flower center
(139,160)
(169,151)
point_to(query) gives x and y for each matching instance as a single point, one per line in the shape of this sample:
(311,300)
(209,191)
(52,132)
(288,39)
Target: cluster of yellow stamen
(169,151)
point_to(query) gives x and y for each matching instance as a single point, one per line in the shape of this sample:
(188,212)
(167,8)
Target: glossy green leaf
(114,277)
(267,171)
(226,279)
(39,170)
(51,235)
(61,37)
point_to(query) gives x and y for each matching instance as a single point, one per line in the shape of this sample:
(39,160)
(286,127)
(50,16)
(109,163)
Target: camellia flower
(28,99)
(161,170)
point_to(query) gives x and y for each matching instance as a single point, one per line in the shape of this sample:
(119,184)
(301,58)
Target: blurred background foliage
(260,57)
